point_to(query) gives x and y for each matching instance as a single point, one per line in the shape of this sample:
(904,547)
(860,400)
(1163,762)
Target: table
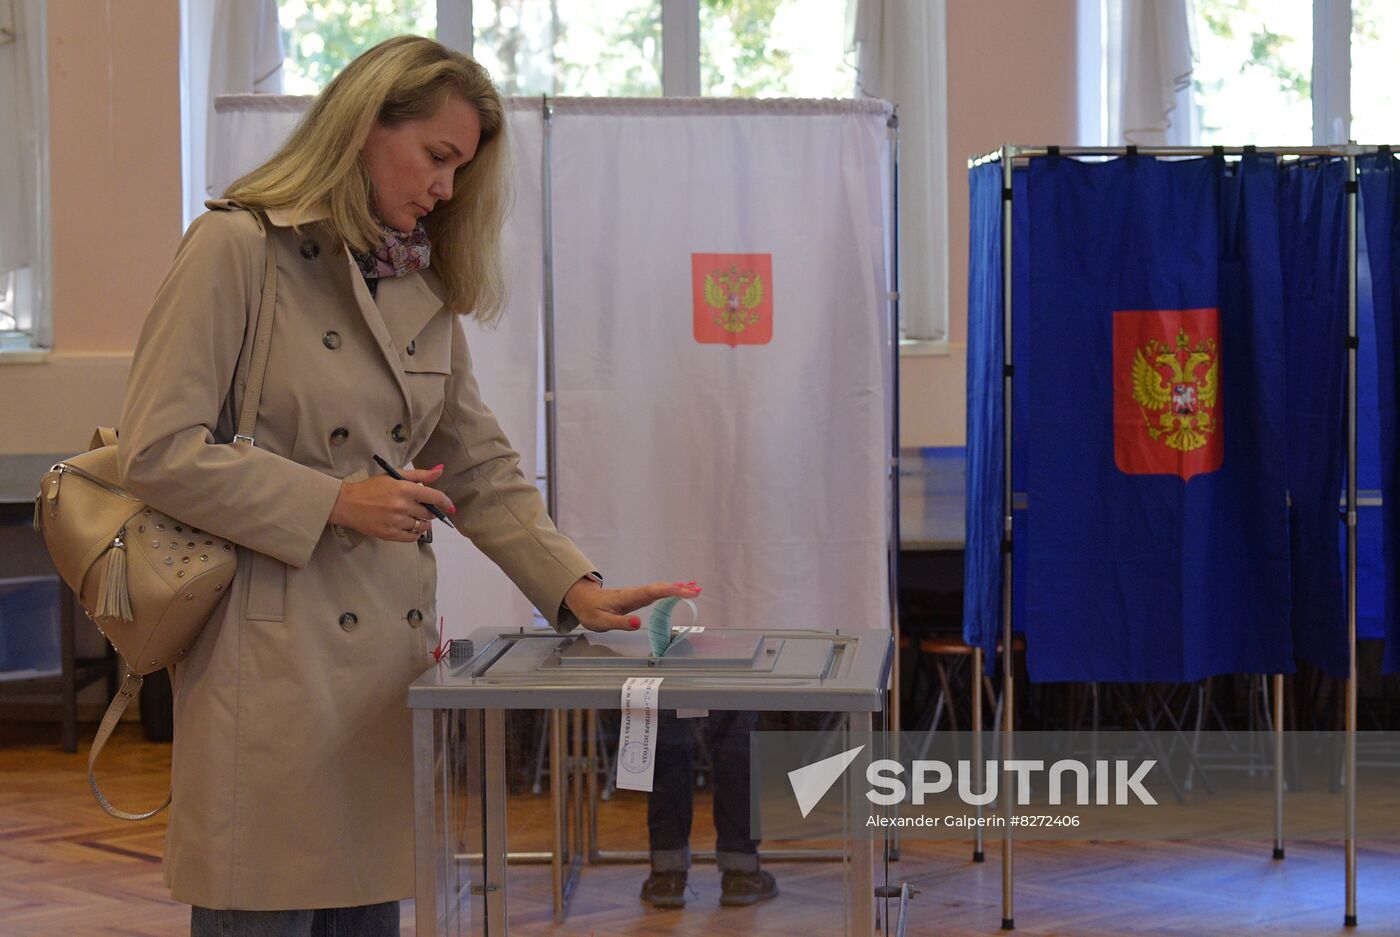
(459,737)
(84,655)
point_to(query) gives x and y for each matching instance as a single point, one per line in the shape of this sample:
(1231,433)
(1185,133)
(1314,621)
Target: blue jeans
(371,920)
(670,804)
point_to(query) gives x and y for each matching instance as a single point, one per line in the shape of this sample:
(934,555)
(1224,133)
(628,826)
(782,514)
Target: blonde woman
(292,809)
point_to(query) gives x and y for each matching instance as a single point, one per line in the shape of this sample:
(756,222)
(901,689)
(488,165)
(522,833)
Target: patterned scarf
(399,255)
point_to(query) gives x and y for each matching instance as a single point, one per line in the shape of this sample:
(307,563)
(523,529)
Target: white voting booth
(708,284)
(755,461)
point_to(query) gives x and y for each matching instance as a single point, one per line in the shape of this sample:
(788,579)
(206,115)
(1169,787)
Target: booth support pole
(494,806)
(979,853)
(894,717)
(562,881)
(893,296)
(547,243)
(1278,765)
(1350,766)
(1008,671)
(555,718)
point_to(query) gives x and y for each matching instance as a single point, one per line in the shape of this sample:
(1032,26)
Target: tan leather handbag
(149,581)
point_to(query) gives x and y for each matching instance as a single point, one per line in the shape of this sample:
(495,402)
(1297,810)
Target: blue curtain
(1370,562)
(1312,236)
(1156,490)
(986,451)
(1380,202)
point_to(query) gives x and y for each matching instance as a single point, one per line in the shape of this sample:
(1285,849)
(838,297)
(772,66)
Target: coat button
(397,433)
(415,617)
(339,435)
(412,347)
(310,250)
(348,621)
(331,340)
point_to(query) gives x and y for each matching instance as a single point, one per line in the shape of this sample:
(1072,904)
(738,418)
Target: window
(570,47)
(322,36)
(1375,39)
(746,48)
(25,306)
(775,48)
(1270,72)
(1253,77)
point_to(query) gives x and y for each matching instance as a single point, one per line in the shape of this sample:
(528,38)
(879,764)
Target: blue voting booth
(1179,333)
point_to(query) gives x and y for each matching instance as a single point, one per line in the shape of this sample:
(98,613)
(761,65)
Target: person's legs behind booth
(670,811)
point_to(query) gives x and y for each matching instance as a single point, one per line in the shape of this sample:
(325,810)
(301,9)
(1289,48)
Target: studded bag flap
(149,581)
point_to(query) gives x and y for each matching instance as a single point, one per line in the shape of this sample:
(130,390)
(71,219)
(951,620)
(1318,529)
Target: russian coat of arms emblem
(1167,392)
(733,298)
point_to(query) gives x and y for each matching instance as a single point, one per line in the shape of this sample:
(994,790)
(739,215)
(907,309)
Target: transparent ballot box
(459,708)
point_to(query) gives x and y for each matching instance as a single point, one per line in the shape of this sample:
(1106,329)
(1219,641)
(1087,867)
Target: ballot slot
(733,654)
(707,650)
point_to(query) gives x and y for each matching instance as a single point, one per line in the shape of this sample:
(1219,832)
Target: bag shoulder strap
(124,696)
(262,341)
(247,419)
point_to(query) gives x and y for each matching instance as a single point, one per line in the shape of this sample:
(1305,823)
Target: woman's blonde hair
(320,169)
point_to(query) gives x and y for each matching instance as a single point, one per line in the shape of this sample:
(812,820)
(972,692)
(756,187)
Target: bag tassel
(113,599)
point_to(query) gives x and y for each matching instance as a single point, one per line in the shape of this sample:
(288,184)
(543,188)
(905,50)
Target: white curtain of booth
(758,470)
(472,591)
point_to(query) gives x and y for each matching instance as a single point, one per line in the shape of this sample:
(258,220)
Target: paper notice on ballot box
(636,749)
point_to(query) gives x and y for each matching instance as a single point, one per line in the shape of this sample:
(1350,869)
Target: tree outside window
(748,48)
(323,36)
(1253,78)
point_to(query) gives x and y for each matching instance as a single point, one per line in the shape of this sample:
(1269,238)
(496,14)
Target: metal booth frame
(573,755)
(1007,156)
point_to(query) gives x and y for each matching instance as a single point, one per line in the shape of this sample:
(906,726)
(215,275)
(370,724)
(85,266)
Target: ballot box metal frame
(459,710)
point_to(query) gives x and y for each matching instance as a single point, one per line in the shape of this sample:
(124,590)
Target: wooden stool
(943,650)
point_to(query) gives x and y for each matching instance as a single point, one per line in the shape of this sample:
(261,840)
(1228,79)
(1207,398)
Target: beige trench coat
(292,757)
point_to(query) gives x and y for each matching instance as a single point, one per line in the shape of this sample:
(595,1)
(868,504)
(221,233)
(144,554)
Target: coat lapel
(406,304)
(388,345)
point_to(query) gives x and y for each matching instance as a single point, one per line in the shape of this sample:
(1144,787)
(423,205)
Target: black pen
(389,470)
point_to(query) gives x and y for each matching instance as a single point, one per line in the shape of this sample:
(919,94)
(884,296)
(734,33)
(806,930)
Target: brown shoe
(738,889)
(664,890)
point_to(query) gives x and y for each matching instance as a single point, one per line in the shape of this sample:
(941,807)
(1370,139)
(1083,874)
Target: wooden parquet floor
(69,870)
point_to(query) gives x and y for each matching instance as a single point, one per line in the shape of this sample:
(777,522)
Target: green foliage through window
(1253,77)
(323,36)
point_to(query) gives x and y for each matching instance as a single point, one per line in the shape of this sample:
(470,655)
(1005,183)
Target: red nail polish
(452,509)
(635,622)
(438,466)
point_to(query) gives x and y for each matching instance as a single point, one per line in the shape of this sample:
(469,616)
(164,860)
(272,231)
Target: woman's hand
(599,609)
(390,509)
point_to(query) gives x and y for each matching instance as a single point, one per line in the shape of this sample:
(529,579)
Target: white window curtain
(901,56)
(1149,58)
(22,178)
(230,47)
